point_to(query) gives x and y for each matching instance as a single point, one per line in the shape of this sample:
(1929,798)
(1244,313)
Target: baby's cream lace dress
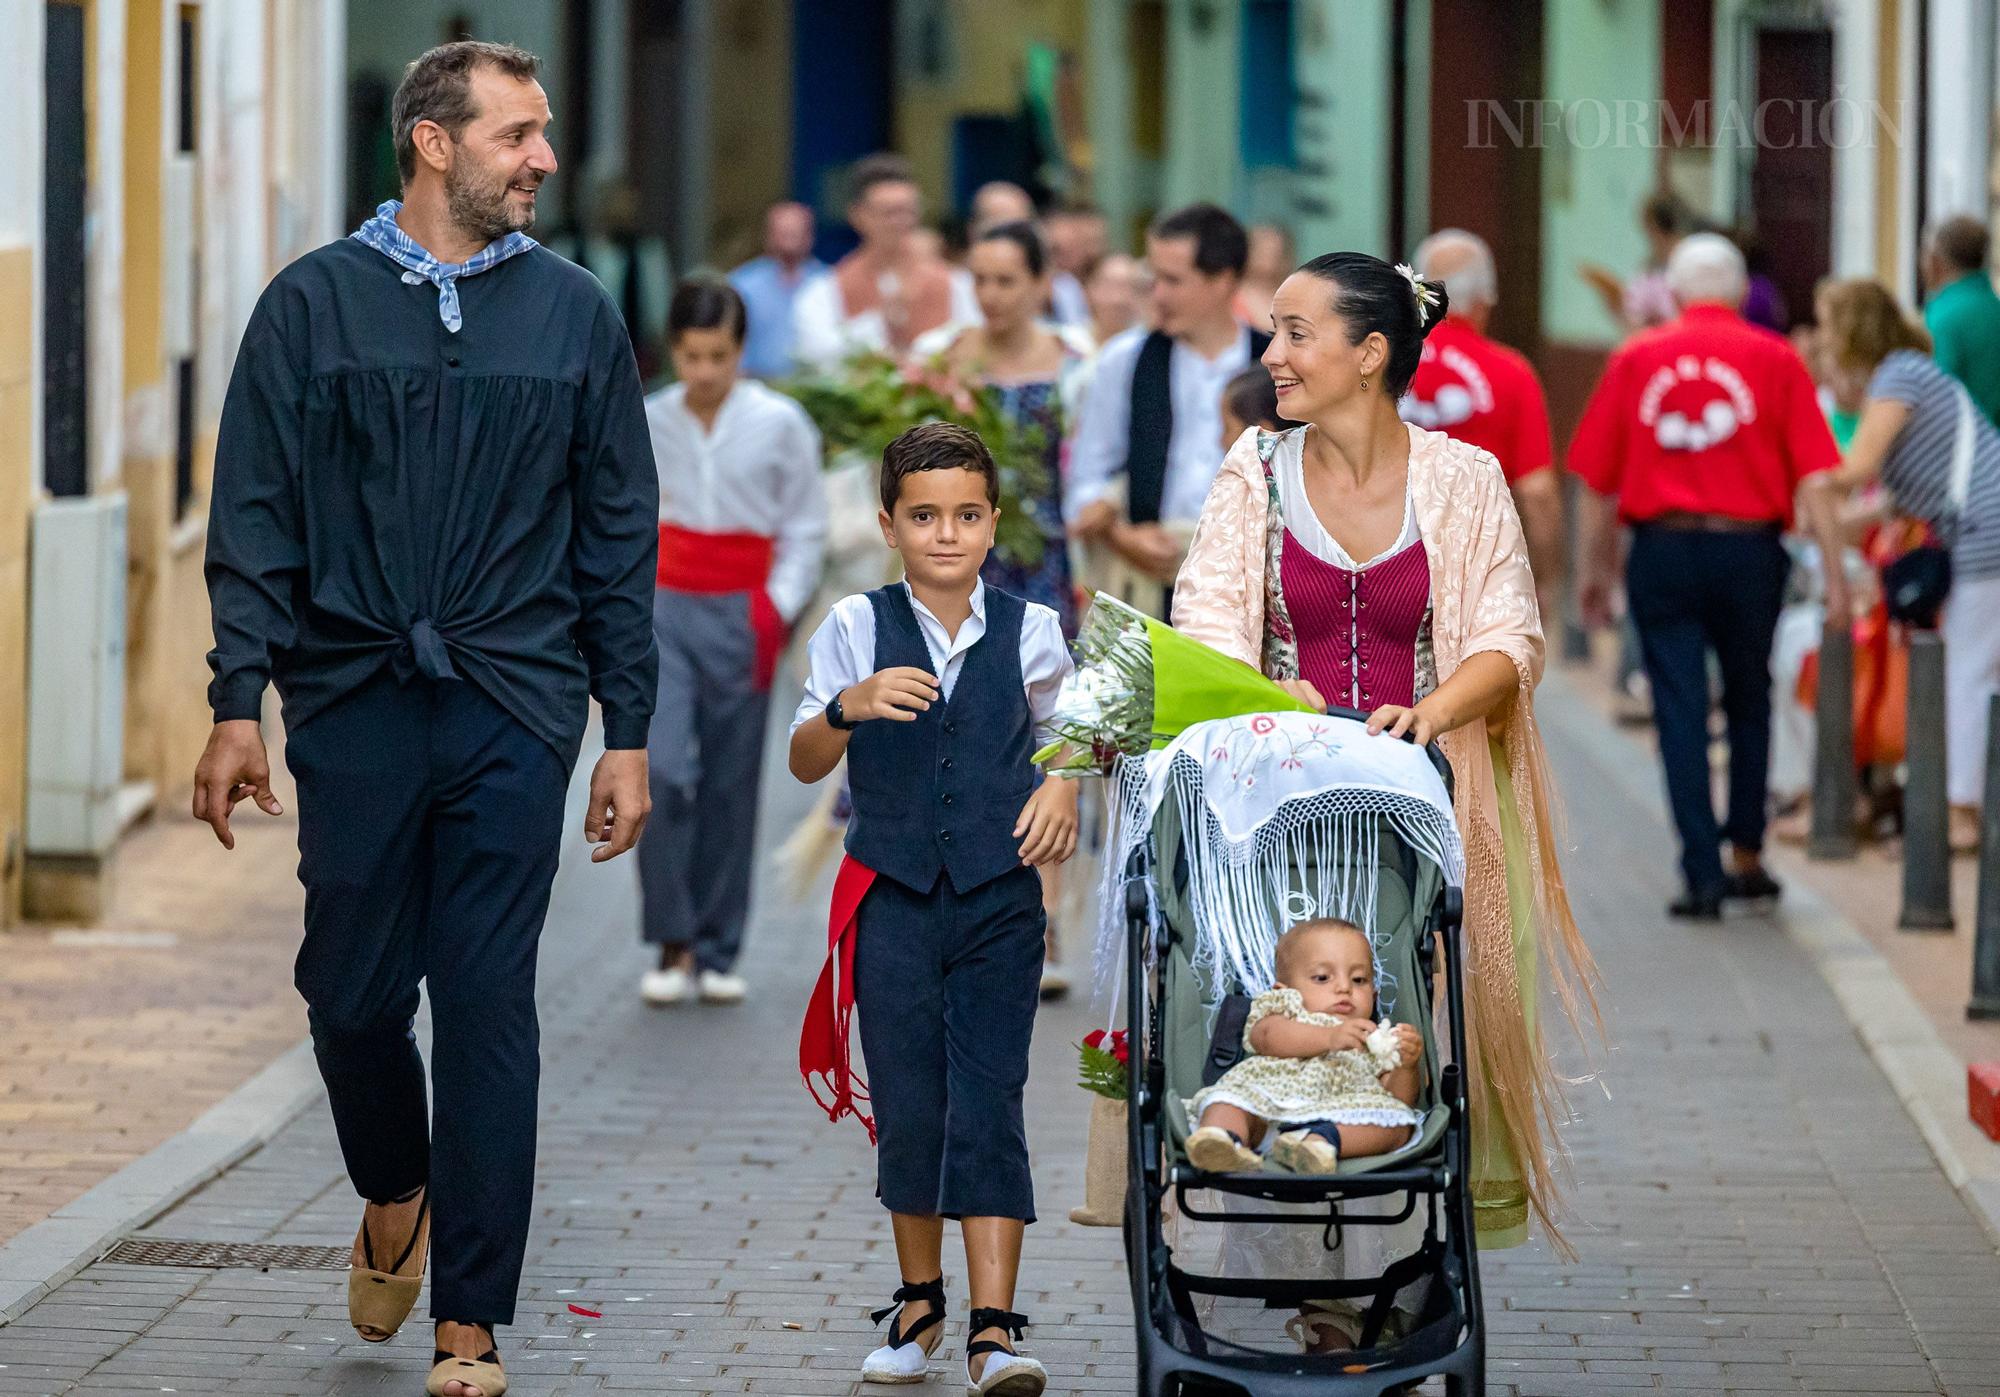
(1342,1087)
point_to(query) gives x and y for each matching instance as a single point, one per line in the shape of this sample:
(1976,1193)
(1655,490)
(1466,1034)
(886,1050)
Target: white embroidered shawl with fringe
(1262,796)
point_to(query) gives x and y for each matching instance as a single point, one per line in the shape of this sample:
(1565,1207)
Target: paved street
(1755,1211)
(116,1037)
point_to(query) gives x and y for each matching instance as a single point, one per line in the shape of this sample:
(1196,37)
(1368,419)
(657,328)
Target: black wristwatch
(836,719)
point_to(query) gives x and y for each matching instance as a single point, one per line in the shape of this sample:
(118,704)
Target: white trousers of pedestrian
(1971,629)
(1793,725)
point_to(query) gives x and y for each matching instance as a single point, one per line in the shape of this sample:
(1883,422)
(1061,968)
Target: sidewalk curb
(1927,1077)
(45,1255)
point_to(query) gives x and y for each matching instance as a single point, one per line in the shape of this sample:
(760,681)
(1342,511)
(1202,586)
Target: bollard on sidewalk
(1833,787)
(1986,910)
(1926,812)
(1575,636)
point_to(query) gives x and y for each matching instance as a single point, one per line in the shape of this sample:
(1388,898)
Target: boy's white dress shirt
(841,652)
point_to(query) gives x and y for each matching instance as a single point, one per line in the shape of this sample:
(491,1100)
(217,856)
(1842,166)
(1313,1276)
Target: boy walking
(742,531)
(933,689)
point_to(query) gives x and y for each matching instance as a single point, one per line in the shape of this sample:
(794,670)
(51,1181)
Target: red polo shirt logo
(1695,403)
(1707,415)
(1470,387)
(1450,390)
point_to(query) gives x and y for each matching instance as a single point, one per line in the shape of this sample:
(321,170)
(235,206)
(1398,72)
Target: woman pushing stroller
(1381,567)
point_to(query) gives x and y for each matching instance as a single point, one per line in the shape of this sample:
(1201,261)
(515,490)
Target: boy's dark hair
(1023,236)
(706,303)
(1220,244)
(872,170)
(936,446)
(437,86)
(1253,400)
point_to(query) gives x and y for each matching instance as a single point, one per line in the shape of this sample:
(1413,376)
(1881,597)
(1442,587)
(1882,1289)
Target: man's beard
(477,203)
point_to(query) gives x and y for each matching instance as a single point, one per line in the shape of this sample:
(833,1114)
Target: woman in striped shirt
(1909,438)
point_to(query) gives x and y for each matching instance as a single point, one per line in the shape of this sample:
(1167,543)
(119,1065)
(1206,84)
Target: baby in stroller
(1316,1066)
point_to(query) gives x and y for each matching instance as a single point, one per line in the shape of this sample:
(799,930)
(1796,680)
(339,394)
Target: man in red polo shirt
(1478,390)
(1698,436)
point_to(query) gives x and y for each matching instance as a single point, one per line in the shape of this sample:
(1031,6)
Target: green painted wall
(1202,86)
(1341,65)
(1602,70)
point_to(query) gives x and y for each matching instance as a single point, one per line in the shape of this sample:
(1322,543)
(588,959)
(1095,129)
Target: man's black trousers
(1691,592)
(429,822)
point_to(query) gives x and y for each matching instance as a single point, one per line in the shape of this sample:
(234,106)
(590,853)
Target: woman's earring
(1364,385)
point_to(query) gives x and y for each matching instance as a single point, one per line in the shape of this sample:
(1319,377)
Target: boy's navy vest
(942,794)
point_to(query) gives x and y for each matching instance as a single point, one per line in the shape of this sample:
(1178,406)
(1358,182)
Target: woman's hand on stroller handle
(1412,724)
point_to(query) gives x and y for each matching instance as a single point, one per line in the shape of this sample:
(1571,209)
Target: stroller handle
(1431,749)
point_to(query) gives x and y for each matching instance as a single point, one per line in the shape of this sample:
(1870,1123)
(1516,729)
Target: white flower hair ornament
(1427,299)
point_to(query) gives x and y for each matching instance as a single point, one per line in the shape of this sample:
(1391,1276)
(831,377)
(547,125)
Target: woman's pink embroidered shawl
(1483,599)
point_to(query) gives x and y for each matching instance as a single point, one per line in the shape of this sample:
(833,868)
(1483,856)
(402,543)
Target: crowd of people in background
(1332,472)
(1137,373)
(1878,426)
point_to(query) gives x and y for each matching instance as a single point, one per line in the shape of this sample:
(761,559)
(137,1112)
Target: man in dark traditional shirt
(434,529)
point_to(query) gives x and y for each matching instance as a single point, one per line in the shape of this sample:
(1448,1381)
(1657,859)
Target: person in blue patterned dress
(1028,364)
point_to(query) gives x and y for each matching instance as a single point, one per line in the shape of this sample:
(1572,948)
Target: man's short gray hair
(1475,280)
(1707,267)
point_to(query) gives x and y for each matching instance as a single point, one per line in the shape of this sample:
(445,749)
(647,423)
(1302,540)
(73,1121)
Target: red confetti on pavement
(587,1314)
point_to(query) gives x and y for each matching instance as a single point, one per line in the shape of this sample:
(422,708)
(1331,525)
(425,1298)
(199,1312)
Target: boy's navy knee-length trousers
(429,825)
(946,985)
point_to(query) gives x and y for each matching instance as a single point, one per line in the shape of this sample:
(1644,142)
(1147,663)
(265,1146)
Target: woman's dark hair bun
(1372,297)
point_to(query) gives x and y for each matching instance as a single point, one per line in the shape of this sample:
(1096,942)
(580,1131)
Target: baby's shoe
(1218,1151)
(1306,1151)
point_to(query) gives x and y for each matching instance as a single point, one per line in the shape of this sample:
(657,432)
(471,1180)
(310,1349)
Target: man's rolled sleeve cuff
(624,731)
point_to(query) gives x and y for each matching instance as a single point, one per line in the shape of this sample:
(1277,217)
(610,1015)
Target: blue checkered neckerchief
(384,235)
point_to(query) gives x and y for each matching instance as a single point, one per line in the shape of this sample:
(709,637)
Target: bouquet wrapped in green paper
(1139,684)
(871,399)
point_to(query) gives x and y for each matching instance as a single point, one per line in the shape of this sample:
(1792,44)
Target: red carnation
(1094,1040)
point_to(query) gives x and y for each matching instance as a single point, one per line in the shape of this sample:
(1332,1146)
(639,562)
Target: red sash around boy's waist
(718,564)
(825,1050)
(692,561)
